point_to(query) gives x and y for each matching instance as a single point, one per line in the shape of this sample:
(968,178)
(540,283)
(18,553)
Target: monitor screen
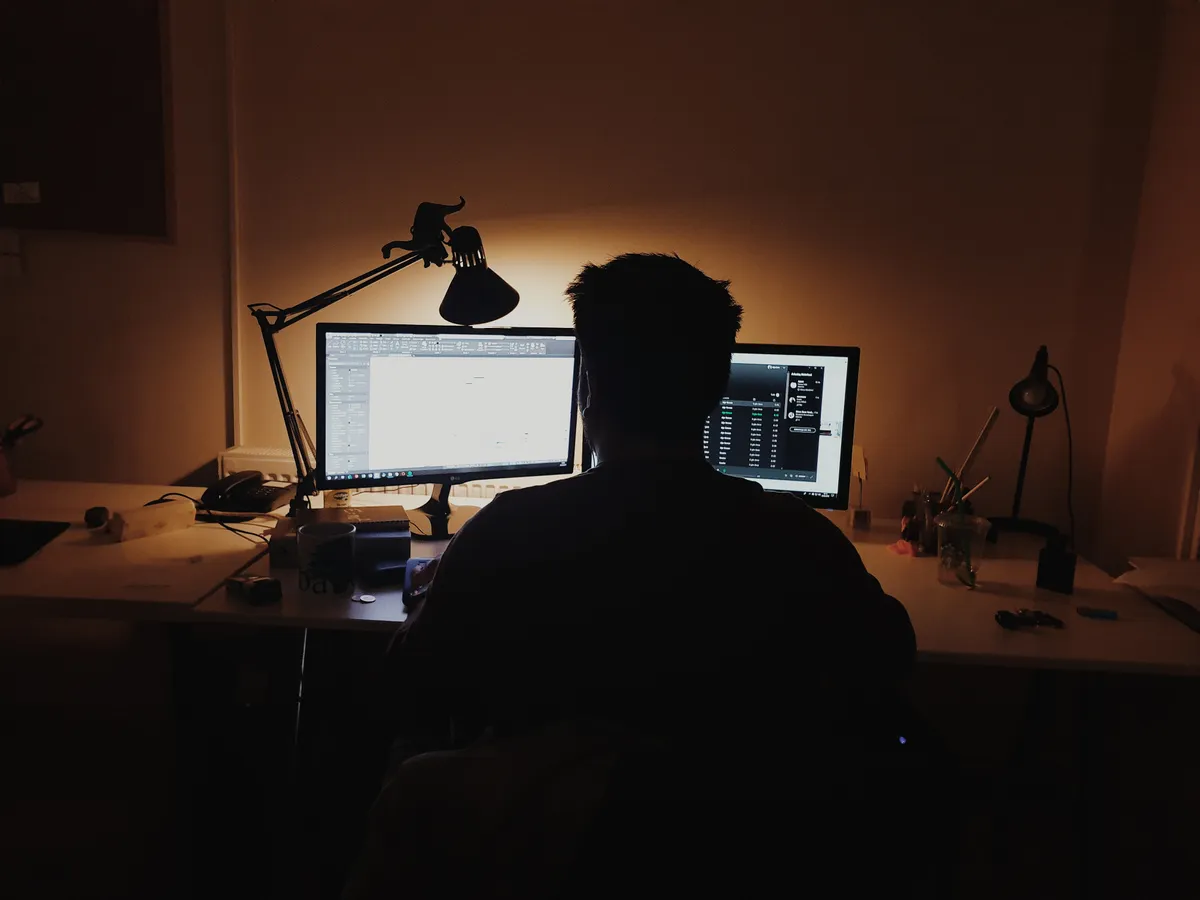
(405,404)
(787,420)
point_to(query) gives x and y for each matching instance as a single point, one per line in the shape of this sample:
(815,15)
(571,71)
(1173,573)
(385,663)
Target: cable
(251,536)
(1062,389)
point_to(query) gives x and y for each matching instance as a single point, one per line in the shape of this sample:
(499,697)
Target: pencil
(982,482)
(978,445)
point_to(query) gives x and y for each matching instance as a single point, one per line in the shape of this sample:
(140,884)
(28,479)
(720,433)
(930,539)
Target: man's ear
(584,395)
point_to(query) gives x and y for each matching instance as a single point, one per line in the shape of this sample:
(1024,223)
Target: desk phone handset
(246,492)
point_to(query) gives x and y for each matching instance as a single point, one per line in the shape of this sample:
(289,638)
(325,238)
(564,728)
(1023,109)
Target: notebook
(20,538)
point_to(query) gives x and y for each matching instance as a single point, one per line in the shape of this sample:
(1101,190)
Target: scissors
(18,430)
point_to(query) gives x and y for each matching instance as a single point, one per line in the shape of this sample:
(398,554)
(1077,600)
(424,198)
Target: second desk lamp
(1034,397)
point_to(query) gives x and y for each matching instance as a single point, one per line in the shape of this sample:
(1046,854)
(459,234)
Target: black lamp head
(1034,396)
(476,293)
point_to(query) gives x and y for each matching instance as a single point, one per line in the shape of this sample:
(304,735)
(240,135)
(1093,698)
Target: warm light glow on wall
(799,281)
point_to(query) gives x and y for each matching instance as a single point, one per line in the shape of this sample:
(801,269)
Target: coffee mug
(326,551)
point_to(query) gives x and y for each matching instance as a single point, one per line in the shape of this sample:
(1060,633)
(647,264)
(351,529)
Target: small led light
(903,739)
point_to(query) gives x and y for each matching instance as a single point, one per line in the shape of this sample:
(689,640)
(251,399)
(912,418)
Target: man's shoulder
(526,501)
(552,493)
(717,495)
(788,514)
(785,507)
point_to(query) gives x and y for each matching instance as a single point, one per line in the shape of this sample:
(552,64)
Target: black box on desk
(1056,568)
(377,551)
(381,535)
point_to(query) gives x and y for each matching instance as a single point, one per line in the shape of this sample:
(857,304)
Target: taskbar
(457,473)
(767,474)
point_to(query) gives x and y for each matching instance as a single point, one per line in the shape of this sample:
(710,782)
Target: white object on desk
(1176,578)
(858,516)
(148,521)
(1151,572)
(79,573)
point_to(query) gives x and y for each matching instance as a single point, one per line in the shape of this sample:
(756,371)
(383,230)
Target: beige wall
(120,345)
(947,185)
(1156,406)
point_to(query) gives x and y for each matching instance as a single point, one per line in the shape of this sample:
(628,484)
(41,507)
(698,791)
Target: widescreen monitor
(408,404)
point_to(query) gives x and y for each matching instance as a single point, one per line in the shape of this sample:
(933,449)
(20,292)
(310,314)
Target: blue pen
(1092,612)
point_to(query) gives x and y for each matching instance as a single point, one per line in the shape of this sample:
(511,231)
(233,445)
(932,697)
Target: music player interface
(780,422)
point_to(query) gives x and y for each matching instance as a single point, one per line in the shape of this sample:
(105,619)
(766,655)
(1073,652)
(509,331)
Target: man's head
(656,335)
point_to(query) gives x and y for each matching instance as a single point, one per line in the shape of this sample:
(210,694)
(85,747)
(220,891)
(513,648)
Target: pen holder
(960,542)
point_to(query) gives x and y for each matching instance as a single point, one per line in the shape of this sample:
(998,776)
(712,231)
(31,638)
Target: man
(653,591)
(651,588)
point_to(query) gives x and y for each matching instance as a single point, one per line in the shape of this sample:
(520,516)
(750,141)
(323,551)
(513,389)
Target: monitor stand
(437,518)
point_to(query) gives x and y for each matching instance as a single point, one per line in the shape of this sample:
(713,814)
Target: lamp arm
(278,319)
(272,320)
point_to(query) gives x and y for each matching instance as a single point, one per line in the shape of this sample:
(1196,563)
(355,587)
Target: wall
(1156,405)
(945,185)
(121,345)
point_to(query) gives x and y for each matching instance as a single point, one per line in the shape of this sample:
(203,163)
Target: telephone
(246,492)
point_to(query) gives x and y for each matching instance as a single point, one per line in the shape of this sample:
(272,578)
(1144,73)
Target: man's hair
(656,335)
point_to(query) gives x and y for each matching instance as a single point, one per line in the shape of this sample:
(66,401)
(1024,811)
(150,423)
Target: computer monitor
(413,404)
(787,420)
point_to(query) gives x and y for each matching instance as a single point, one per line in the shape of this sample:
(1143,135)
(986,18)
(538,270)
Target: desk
(81,574)
(953,625)
(957,626)
(176,576)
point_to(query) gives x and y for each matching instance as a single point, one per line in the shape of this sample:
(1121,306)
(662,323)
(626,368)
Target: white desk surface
(953,624)
(82,574)
(957,625)
(178,575)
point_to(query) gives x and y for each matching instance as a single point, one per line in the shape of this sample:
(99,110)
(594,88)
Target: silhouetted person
(737,627)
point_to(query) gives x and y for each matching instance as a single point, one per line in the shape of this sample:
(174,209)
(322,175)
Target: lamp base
(1013,525)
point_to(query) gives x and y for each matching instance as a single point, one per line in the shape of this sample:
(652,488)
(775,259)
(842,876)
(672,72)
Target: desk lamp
(1033,397)
(476,295)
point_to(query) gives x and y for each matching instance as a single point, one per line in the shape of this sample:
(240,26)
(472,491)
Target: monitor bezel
(450,476)
(842,500)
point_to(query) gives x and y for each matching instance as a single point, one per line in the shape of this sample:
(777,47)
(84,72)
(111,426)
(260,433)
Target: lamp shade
(476,294)
(1034,395)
